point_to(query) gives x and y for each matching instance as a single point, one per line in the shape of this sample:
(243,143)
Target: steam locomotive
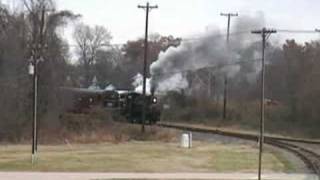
(131,105)
(128,104)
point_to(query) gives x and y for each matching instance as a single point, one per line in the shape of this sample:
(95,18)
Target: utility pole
(147,7)
(214,89)
(209,84)
(36,58)
(225,91)
(265,33)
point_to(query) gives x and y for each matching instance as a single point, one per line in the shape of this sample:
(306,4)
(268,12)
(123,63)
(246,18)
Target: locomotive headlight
(154,100)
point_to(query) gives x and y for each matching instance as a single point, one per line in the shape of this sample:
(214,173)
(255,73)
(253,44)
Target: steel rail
(310,158)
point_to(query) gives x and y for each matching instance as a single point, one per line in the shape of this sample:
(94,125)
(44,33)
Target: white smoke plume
(138,84)
(168,73)
(175,82)
(210,50)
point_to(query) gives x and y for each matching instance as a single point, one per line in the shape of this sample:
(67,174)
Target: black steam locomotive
(128,104)
(131,105)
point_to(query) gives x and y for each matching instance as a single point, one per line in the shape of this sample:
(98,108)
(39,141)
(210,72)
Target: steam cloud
(210,50)
(138,84)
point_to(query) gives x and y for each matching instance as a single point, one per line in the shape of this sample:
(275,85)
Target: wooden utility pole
(209,84)
(264,33)
(36,58)
(147,7)
(225,91)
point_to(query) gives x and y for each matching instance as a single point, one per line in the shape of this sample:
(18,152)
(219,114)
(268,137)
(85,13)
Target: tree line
(21,35)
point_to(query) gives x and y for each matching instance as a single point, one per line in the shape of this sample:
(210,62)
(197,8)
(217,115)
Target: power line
(249,32)
(215,67)
(297,31)
(236,33)
(189,38)
(216,36)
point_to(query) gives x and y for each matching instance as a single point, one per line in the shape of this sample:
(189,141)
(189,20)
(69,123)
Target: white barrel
(186,140)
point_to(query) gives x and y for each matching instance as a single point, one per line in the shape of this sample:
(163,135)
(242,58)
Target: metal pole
(145,65)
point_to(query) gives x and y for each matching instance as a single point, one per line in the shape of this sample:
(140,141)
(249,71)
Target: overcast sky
(183,18)
(190,17)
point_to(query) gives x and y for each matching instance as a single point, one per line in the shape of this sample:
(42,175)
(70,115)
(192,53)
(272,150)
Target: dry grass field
(135,156)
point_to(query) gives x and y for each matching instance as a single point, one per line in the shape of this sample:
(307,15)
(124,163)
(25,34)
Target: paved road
(145,176)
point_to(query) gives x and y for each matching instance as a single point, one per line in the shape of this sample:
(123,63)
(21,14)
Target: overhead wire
(223,35)
(214,67)
(231,34)
(297,31)
(214,36)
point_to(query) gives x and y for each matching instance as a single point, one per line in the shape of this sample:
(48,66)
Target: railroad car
(128,104)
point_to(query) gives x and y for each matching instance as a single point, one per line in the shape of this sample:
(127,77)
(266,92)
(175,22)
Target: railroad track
(310,158)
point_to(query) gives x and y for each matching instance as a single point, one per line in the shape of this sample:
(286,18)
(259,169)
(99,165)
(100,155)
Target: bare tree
(89,41)
(3,17)
(53,70)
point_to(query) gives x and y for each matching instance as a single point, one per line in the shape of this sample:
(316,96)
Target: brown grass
(96,126)
(137,156)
